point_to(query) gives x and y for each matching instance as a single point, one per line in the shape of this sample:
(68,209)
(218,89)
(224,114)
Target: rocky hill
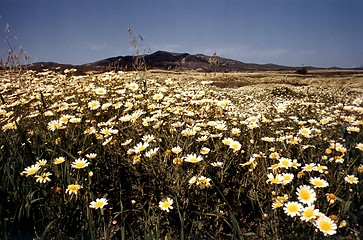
(184,61)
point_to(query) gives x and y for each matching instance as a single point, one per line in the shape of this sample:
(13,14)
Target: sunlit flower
(221,126)
(48,113)
(188,132)
(75,120)
(33,169)
(63,106)
(166,204)
(202,139)
(293,209)
(193,180)
(100,91)
(203,182)
(151,152)
(90,130)
(127,142)
(294,141)
(253,119)
(249,162)
(349,118)
(59,160)
(158,96)
(204,150)
(351,179)
(325,120)
(80,163)
(99,203)
(140,147)
(235,131)
(281,108)
(148,138)
(306,194)
(278,179)
(320,168)
(54,125)
(133,86)
(193,158)
(285,162)
(108,131)
(217,164)
(337,159)
(227,141)
(359,146)
(176,150)
(309,167)
(309,213)
(274,155)
(91,155)
(42,162)
(306,132)
(287,178)
(352,129)
(43,178)
(94,104)
(326,225)
(223,103)
(318,182)
(169,81)
(235,145)
(73,189)
(268,139)
(295,164)
(126,118)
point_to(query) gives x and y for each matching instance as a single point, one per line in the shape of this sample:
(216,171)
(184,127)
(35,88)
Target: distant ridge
(175,61)
(185,61)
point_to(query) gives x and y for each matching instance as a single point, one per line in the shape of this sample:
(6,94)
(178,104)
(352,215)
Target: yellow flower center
(305,194)
(235,146)
(287,177)
(275,180)
(193,160)
(318,183)
(308,213)
(32,171)
(351,179)
(293,208)
(98,204)
(73,187)
(285,163)
(325,226)
(80,164)
(309,168)
(305,131)
(203,182)
(165,204)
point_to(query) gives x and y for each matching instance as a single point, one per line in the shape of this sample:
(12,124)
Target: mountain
(175,61)
(184,61)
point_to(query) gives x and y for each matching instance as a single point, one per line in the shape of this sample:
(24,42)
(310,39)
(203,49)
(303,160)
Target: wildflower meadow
(180,155)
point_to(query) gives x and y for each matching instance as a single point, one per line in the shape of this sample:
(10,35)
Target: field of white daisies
(157,155)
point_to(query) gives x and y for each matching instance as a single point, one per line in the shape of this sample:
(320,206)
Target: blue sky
(322,33)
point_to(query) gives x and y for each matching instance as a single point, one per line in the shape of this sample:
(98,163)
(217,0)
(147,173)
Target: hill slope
(185,61)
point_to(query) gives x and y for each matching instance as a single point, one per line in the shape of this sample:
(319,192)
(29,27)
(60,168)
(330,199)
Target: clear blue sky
(321,33)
